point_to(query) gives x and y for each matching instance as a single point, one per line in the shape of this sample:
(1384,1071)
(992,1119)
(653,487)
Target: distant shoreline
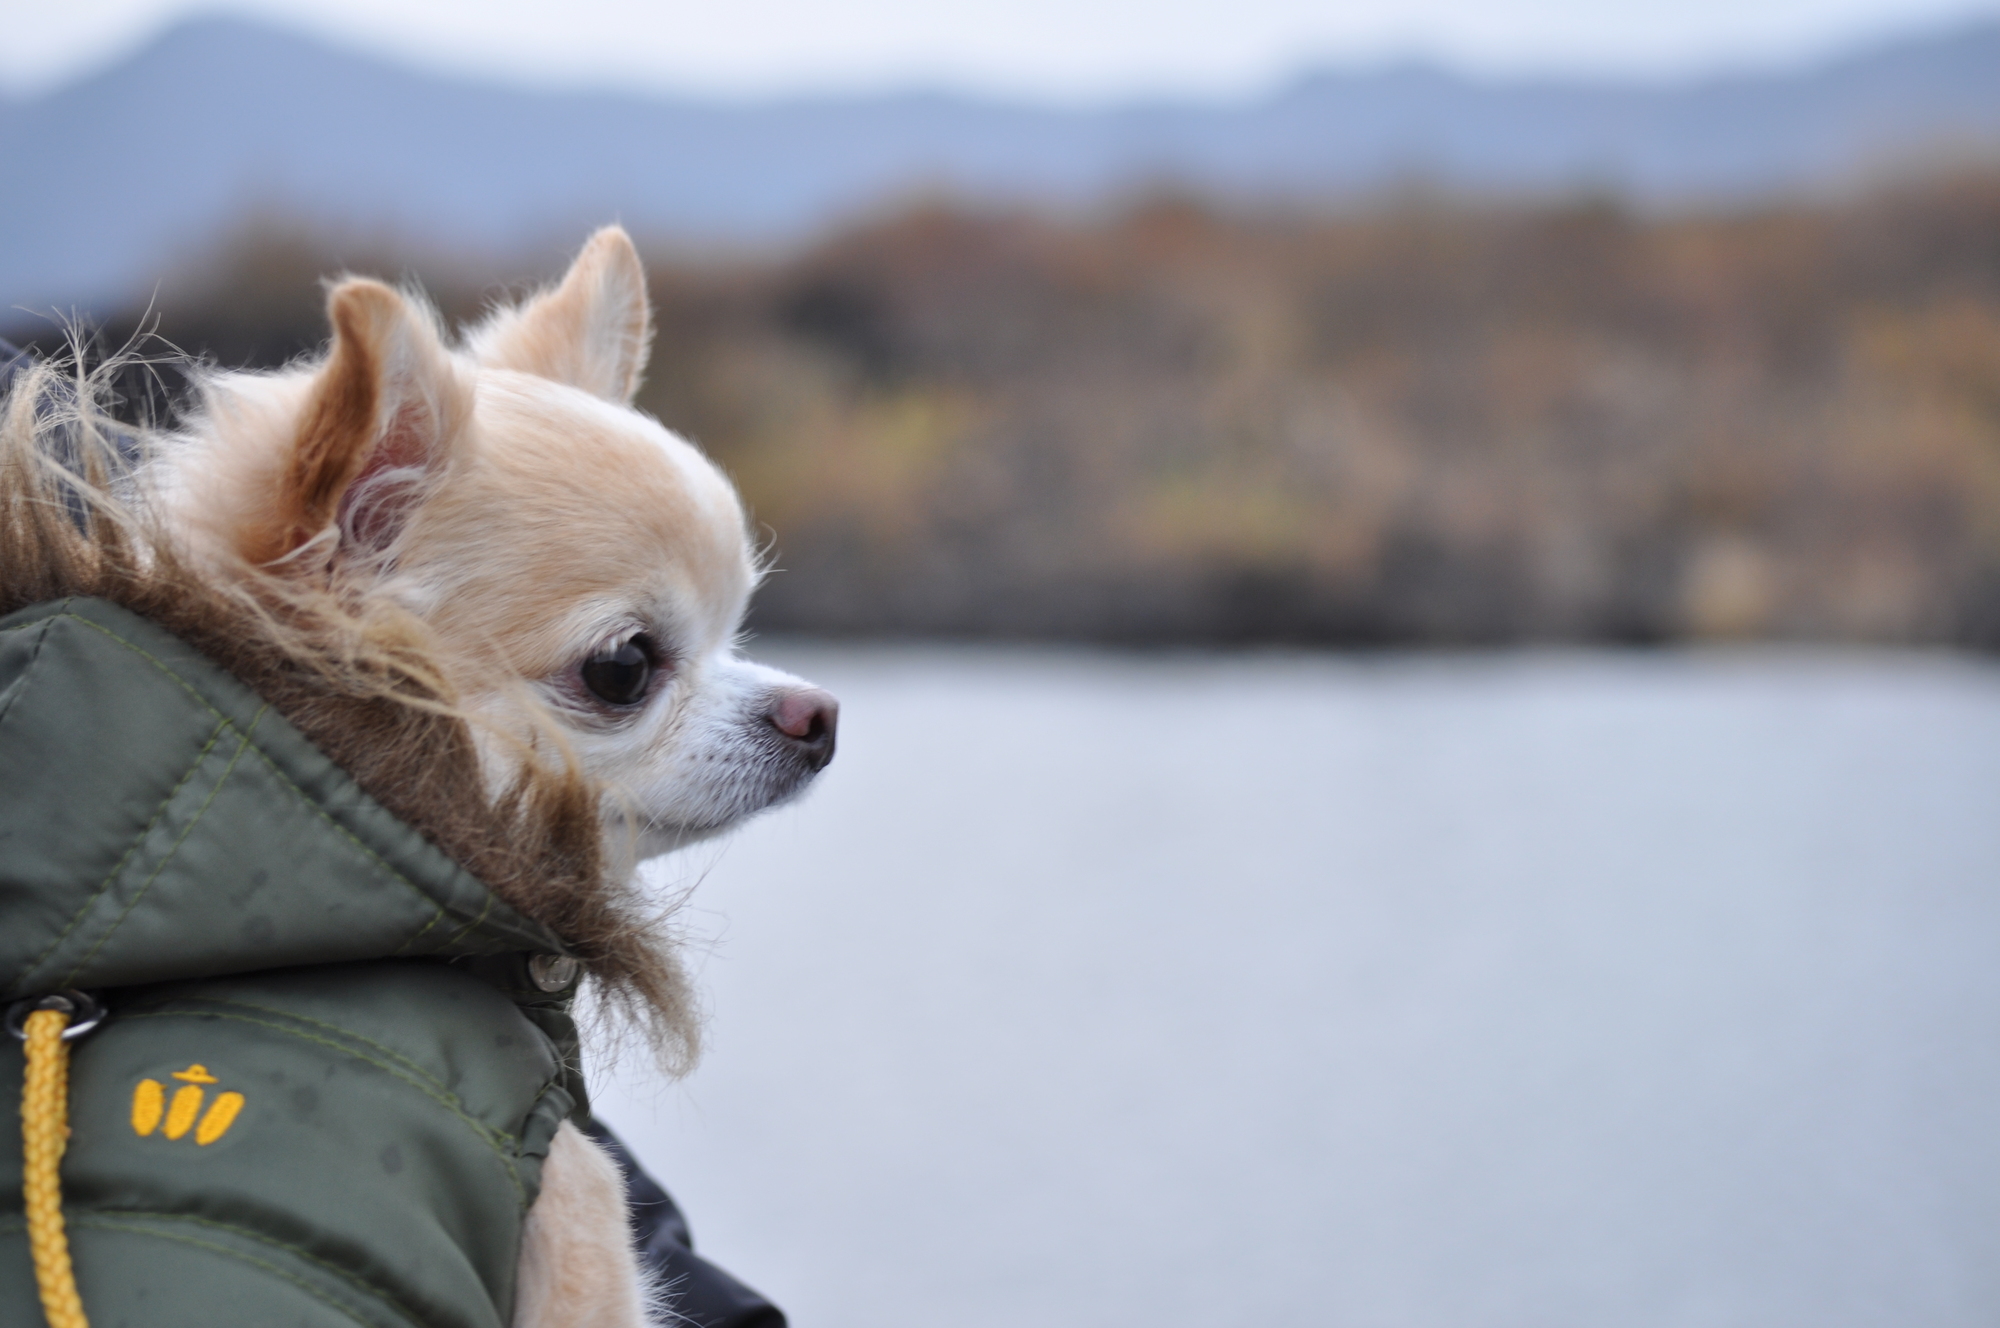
(1431,425)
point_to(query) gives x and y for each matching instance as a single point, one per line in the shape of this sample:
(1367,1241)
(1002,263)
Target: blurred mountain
(110,178)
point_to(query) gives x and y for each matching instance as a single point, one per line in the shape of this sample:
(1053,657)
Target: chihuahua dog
(579,573)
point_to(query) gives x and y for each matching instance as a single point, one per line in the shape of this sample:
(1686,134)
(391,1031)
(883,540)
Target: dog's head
(583,571)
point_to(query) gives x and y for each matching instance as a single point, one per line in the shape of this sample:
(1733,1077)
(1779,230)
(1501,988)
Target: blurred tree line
(1426,423)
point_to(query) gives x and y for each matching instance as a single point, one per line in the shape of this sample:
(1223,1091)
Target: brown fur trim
(358,680)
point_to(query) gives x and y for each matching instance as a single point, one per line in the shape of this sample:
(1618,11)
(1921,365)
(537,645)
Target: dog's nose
(807,716)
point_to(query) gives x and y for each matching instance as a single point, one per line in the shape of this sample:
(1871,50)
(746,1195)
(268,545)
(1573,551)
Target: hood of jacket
(160,822)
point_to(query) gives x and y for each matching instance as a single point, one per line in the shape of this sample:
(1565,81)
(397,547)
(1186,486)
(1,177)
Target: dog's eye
(619,676)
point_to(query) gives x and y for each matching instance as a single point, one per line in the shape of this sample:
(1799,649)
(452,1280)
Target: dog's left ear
(592,331)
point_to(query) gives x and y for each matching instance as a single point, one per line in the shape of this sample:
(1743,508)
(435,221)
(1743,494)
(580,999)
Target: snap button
(552,972)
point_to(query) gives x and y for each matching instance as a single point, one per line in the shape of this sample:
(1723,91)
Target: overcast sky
(1046,49)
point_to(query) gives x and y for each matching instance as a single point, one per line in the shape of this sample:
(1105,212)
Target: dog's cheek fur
(713,760)
(564,515)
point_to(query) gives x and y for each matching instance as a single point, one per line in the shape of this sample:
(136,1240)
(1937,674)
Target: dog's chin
(656,837)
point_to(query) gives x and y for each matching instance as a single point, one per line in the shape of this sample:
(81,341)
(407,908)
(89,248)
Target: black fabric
(703,1295)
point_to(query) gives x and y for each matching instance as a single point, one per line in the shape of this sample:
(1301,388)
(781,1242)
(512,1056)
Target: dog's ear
(592,331)
(379,425)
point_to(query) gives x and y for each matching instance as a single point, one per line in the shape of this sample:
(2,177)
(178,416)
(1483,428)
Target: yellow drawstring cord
(44,1135)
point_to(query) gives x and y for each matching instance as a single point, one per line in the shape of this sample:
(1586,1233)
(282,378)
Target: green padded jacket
(325,1085)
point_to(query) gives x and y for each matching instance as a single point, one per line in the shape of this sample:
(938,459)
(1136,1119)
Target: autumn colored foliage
(1418,423)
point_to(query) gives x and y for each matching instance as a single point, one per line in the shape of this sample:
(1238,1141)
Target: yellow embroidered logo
(150,1107)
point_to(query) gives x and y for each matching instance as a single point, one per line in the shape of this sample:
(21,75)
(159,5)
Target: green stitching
(456,936)
(214,793)
(438,910)
(487,1134)
(347,1310)
(419,933)
(206,704)
(95,1218)
(435,1092)
(476,923)
(29,671)
(347,1275)
(414,1066)
(35,965)
(163,667)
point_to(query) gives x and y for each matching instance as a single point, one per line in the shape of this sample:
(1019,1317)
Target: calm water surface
(1092,991)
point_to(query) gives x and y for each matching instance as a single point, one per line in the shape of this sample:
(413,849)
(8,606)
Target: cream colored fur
(577,1266)
(504,497)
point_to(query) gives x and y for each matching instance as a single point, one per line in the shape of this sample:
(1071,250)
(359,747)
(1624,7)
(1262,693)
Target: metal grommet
(84,1010)
(552,972)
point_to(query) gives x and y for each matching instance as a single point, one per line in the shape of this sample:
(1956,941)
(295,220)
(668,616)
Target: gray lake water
(1593,990)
